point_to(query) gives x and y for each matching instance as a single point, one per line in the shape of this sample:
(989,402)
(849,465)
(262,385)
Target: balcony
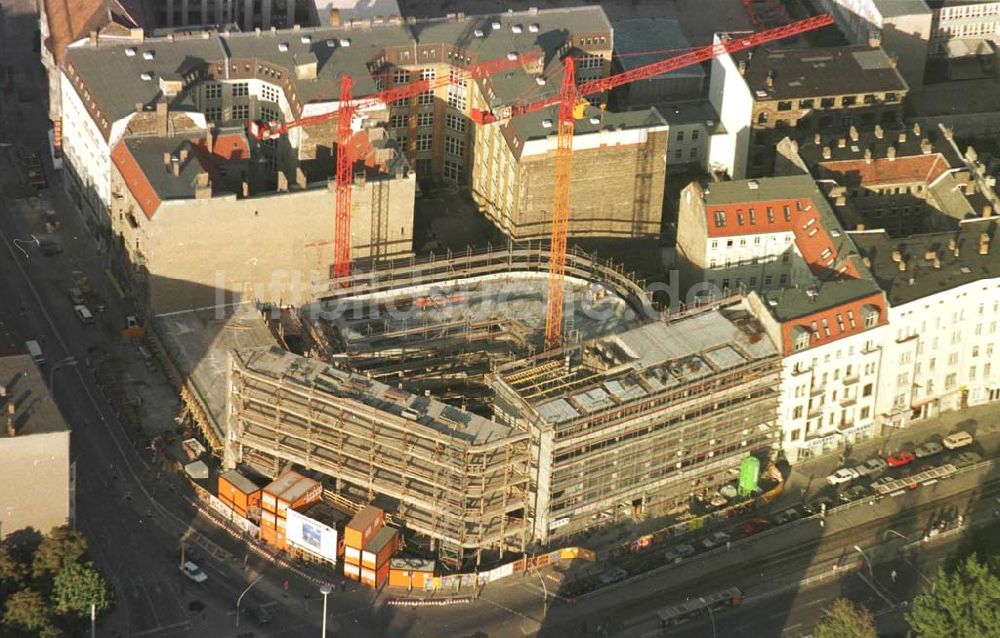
(847,402)
(852,378)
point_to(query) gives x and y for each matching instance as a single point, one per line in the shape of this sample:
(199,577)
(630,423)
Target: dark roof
(532,125)
(151,180)
(793,303)
(968,266)
(817,72)
(113,76)
(636,38)
(381,538)
(35,411)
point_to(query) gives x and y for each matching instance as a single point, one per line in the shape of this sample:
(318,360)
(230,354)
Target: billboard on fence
(311,535)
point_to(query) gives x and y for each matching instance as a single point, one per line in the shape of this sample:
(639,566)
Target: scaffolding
(456,478)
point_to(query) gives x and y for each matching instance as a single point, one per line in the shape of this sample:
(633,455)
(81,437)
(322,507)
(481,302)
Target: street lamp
(545,589)
(238,600)
(18,242)
(325,590)
(892,531)
(871,572)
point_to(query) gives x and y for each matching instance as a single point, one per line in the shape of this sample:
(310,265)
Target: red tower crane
(569,96)
(345,112)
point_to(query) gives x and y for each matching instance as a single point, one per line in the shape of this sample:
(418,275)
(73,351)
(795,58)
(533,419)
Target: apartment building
(904,180)
(35,467)
(252,224)
(902,27)
(962,21)
(943,293)
(765,95)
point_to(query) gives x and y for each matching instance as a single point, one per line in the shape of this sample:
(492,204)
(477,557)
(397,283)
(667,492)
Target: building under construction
(427,393)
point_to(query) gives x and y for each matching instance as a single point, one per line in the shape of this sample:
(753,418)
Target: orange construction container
(352,571)
(410,573)
(375,577)
(363,526)
(290,489)
(239,493)
(352,555)
(380,548)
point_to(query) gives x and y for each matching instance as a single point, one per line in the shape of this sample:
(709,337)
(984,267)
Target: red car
(899,459)
(756,525)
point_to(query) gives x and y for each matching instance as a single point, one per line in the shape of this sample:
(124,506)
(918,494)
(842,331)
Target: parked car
(815,506)
(758,524)
(965,458)
(83,314)
(899,459)
(930,448)
(716,539)
(853,493)
(957,440)
(843,475)
(259,614)
(685,550)
(193,572)
(872,467)
(787,516)
(76,296)
(613,576)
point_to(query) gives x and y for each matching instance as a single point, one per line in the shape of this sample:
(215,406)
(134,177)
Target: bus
(697,607)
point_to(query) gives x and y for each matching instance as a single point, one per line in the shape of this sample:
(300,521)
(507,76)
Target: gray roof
(791,303)
(636,37)
(531,125)
(113,77)
(148,153)
(968,266)
(35,411)
(816,72)
(431,413)
(895,8)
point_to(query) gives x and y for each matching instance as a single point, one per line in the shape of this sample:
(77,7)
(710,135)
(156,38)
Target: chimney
(770,79)
(175,165)
(282,182)
(300,178)
(902,265)
(360,179)
(874,41)
(902,137)
(948,132)
(202,186)
(951,243)
(136,35)
(827,152)
(859,228)
(916,128)
(853,133)
(868,156)
(956,252)
(818,139)
(925,146)
(842,142)
(208,140)
(984,244)
(334,17)
(162,115)
(93,38)
(11,409)
(742,67)
(166,159)
(184,155)
(891,153)
(840,201)
(937,262)
(987,211)
(246,189)
(867,262)
(897,256)
(138,107)
(879,133)
(930,255)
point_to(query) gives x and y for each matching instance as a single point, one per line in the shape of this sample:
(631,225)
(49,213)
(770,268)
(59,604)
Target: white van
(83,313)
(35,351)
(957,440)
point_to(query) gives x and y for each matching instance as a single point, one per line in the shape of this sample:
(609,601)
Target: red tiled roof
(798,216)
(135,180)
(912,168)
(838,322)
(231,147)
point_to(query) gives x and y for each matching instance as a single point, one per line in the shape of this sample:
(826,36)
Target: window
(807,104)
(827,102)
(694,134)
(783,280)
(797,412)
(428,74)
(454,146)
(891,97)
(953,358)
(267,114)
(457,78)
(680,136)
(400,76)
(679,153)
(865,411)
(242,112)
(693,153)
(972,373)
(397,121)
(950,380)
(213,91)
(269,93)
(241,89)
(785,106)
(455,122)
(795,435)
(867,390)
(849,100)
(802,341)
(424,142)
(589,62)
(427,97)
(452,170)
(457,97)
(902,379)
(869,99)
(768,279)
(720,219)
(425,119)
(213,113)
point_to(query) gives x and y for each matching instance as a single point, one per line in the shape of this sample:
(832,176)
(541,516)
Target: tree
(844,619)
(77,587)
(60,548)
(11,572)
(961,603)
(26,610)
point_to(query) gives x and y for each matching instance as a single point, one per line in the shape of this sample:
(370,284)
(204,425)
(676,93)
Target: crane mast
(345,162)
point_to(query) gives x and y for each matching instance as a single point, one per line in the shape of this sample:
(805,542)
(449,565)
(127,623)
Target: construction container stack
(368,546)
(410,573)
(241,494)
(289,490)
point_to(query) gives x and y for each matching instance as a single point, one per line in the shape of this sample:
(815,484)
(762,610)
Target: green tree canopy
(78,586)
(60,548)
(12,572)
(26,610)
(844,619)
(962,603)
